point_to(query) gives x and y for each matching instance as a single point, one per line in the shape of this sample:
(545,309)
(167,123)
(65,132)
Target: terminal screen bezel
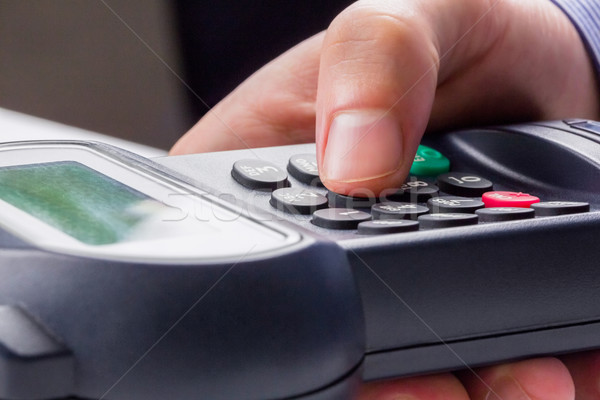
(189,226)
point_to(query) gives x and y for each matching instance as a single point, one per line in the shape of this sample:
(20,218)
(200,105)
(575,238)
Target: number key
(259,174)
(463,184)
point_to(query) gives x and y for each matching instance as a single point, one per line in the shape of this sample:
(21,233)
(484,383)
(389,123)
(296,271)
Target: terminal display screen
(75,199)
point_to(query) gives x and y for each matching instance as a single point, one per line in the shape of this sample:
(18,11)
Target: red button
(508,199)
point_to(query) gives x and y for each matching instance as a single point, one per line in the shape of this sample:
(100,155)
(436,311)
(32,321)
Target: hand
(383,73)
(385,70)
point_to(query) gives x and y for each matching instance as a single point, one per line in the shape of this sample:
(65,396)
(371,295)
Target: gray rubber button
(385,226)
(298,200)
(339,218)
(447,220)
(397,210)
(417,190)
(498,214)
(259,174)
(341,201)
(304,168)
(552,208)
(463,184)
(454,204)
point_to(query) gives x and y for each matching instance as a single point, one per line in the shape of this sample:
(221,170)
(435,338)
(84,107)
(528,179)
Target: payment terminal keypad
(437,198)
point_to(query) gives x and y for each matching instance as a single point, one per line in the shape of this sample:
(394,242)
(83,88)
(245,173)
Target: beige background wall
(75,62)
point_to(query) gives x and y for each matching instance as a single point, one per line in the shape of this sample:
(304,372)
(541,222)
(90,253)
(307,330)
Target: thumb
(377,81)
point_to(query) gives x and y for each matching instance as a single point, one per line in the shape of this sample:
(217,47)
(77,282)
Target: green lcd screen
(75,199)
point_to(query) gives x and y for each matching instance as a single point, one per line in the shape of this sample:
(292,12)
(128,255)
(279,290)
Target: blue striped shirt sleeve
(585,15)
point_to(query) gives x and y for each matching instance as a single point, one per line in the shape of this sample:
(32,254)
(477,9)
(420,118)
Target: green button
(429,162)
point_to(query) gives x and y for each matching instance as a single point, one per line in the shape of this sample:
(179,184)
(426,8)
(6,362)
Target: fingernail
(506,388)
(362,145)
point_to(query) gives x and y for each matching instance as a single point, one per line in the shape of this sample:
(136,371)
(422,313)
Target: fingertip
(366,188)
(364,149)
(535,379)
(433,387)
(545,378)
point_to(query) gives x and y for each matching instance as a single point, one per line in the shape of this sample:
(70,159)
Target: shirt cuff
(585,15)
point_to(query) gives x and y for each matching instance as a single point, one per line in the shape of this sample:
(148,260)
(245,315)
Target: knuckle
(366,22)
(371,34)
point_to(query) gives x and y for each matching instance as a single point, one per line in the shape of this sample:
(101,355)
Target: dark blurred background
(114,66)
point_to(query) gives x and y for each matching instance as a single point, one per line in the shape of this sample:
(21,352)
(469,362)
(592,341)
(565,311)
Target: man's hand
(383,73)
(386,70)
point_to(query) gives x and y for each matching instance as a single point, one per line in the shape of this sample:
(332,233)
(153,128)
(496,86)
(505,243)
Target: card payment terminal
(238,275)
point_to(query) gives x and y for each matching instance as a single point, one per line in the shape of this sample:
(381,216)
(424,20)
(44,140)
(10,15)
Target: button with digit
(259,174)
(551,208)
(385,226)
(304,168)
(498,214)
(337,200)
(454,204)
(298,200)
(339,218)
(391,194)
(418,190)
(508,199)
(463,184)
(447,220)
(397,210)
(429,162)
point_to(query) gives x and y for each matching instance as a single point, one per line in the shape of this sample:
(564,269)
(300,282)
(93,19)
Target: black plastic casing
(277,325)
